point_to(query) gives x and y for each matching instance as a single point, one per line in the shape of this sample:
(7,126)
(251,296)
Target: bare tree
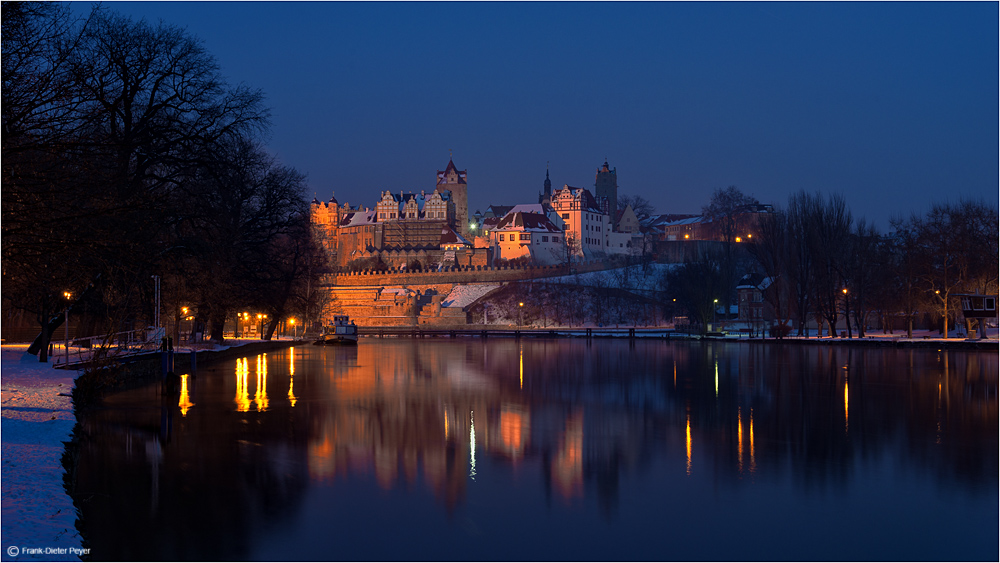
(773,250)
(830,223)
(640,205)
(724,210)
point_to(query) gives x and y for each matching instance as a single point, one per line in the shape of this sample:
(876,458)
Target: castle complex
(434,230)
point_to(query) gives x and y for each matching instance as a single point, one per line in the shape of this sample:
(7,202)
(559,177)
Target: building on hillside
(585,220)
(691,228)
(523,234)
(403,228)
(455,181)
(697,227)
(325,218)
(358,235)
(606,189)
(627,222)
(753,309)
(655,225)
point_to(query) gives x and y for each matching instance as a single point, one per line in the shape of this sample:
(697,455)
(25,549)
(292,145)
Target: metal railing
(83,350)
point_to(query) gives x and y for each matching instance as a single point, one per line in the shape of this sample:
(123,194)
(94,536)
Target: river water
(501,449)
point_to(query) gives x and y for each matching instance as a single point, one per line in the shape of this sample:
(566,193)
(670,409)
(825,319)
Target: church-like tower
(456,181)
(606,186)
(546,196)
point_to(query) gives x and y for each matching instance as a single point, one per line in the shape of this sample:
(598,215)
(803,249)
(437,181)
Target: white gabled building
(586,221)
(524,234)
(588,225)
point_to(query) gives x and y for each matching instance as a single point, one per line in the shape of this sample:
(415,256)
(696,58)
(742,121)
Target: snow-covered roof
(450,238)
(528,208)
(358,218)
(688,221)
(522,221)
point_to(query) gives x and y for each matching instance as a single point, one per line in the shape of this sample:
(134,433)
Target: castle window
(381,215)
(392,215)
(501,237)
(555,239)
(545,238)
(525,236)
(565,215)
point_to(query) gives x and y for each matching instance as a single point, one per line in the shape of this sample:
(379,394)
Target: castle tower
(546,197)
(454,180)
(606,186)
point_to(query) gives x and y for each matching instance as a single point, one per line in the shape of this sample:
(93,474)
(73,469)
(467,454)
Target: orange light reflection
(185,402)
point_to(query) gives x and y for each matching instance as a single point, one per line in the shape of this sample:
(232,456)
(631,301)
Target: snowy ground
(37,417)
(465,295)
(636,278)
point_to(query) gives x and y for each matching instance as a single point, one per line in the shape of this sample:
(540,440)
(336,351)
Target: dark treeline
(126,155)
(824,265)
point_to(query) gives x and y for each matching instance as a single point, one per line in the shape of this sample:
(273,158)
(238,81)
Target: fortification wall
(453,275)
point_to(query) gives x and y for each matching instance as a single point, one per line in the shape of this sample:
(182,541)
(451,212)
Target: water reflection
(542,419)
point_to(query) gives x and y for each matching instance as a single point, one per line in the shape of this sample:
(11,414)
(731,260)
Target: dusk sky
(893,105)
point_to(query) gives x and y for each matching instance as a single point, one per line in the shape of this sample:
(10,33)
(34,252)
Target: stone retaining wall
(469,274)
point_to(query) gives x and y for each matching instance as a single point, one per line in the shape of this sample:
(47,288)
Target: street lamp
(67,295)
(847,313)
(520,310)
(715,308)
(944,323)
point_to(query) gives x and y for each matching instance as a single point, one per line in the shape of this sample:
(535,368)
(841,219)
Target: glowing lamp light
(687,236)
(67,294)
(738,239)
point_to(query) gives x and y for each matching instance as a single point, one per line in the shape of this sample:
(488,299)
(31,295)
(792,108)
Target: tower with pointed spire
(456,181)
(545,198)
(606,186)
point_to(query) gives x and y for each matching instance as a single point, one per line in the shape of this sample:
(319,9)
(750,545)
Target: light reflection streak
(753,460)
(846,410)
(567,471)
(261,397)
(688,441)
(739,440)
(520,355)
(242,399)
(472,445)
(716,379)
(185,402)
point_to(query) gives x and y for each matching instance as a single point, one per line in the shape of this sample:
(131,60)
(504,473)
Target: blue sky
(893,105)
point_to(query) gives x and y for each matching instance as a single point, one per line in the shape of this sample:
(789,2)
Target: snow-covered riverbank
(37,417)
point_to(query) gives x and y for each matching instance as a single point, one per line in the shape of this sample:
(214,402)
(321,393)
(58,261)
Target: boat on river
(342,331)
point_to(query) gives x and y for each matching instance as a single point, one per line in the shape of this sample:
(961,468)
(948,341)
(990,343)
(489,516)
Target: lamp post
(520,310)
(847,312)
(67,295)
(156,316)
(715,308)
(944,323)
(294,328)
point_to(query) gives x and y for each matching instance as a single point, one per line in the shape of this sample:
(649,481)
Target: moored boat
(342,331)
